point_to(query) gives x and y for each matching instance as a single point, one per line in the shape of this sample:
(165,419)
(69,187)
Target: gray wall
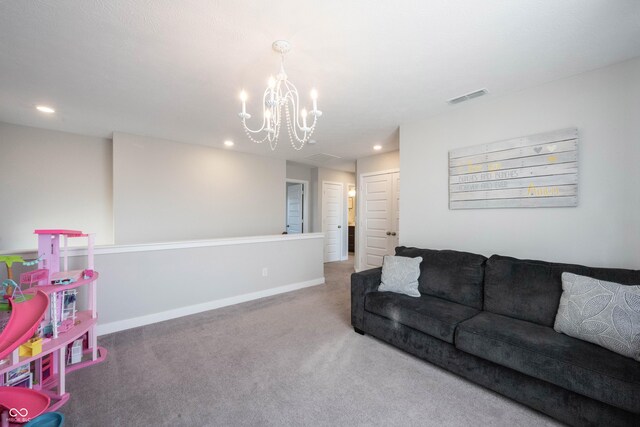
(298,171)
(378,163)
(139,284)
(166,191)
(52,179)
(604,230)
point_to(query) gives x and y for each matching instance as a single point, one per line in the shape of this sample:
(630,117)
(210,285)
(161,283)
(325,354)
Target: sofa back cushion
(530,290)
(451,275)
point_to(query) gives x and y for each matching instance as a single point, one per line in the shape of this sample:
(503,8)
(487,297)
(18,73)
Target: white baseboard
(121,325)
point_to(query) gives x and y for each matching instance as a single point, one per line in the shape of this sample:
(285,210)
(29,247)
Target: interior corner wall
(603,230)
(167,191)
(53,179)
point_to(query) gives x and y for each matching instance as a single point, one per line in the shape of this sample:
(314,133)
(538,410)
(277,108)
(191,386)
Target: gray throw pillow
(604,313)
(400,274)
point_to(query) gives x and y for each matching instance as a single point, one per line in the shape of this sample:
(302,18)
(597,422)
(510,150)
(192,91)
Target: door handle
(393,233)
(339,226)
(388,233)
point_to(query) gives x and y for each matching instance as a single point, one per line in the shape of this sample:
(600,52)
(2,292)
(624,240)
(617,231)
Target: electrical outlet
(265,272)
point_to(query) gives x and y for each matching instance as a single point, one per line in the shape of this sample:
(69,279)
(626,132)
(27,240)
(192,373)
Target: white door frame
(305,203)
(342,217)
(360,212)
(346,209)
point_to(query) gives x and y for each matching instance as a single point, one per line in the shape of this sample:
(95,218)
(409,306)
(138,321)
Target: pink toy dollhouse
(50,312)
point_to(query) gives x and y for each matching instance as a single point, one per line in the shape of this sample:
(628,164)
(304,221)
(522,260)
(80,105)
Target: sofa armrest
(361,284)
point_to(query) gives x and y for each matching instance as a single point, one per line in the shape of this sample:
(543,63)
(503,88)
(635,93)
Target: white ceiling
(173,69)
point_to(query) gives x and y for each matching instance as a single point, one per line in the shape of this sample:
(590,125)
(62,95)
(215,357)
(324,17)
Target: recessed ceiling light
(45,109)
(377,147)
(228,143)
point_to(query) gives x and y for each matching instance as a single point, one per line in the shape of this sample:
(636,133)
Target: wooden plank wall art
(530,172)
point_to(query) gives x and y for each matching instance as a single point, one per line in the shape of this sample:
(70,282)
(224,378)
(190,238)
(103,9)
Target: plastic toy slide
(24,320)
(22,404)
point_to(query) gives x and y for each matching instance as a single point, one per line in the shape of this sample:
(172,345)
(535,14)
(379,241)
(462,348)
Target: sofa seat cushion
(541,352)
(430,315)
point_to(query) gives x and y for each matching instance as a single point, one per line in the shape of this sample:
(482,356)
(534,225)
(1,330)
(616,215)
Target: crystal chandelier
(281,95)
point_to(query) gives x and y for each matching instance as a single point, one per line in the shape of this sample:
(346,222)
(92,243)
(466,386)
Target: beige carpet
(291,359)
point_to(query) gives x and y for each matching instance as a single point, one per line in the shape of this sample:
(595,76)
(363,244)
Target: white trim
(121,325)
(163,246)
(306,190)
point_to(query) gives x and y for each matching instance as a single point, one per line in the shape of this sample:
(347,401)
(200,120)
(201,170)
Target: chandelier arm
(306,139)
(250,130)
(264,121)
(291,128)
(273,141)
(295,126)
(276,114)
(293,135)
(293,90)
(313,125)
(247,129)
(255,140)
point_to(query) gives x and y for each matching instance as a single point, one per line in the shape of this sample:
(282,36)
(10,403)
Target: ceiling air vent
(467,96)
(322,158)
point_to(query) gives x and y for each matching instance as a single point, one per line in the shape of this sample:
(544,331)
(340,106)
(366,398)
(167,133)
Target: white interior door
(380,218)
(295,196)
(332,215)
(394,240)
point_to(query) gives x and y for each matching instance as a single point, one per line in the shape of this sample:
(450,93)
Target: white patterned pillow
(604,313)
(400,274)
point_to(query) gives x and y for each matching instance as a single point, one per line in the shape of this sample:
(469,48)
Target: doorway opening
(351,217)
(297,207)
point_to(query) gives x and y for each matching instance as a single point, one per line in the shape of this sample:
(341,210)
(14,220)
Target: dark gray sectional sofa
(491,321)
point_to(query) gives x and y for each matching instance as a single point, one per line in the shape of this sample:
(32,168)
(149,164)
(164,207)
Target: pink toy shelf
(44,326)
